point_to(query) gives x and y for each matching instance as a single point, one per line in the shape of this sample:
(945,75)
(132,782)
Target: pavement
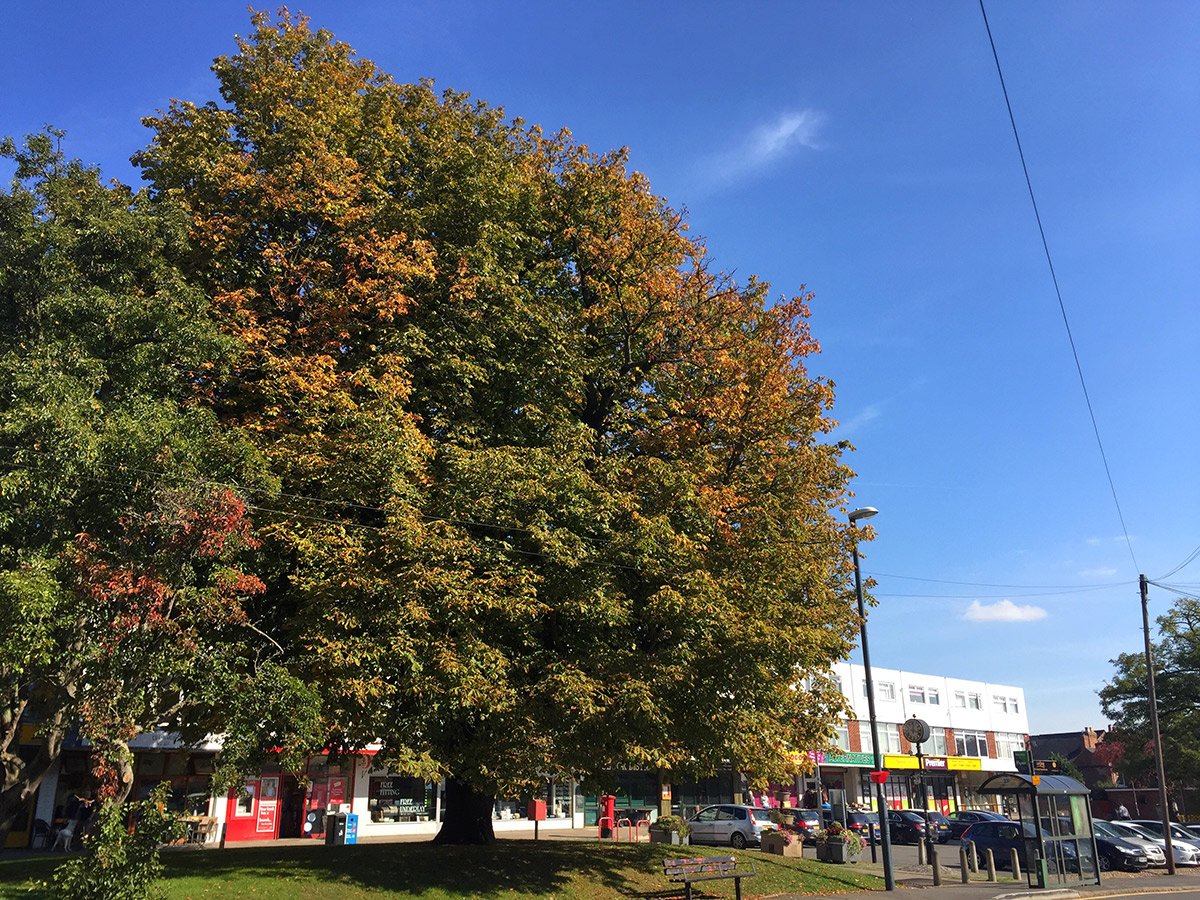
(911,877)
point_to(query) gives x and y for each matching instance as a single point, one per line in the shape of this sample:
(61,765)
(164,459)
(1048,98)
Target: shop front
(252,814)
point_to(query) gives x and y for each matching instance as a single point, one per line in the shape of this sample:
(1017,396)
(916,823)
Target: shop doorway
(291,807)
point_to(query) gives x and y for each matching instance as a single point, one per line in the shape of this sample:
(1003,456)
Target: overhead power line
(1191,557)
(1065,587)
(1057,290)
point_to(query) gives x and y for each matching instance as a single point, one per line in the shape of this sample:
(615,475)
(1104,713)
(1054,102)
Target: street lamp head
(864,512)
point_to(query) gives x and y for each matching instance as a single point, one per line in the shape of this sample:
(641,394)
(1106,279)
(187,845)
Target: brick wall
(855,736)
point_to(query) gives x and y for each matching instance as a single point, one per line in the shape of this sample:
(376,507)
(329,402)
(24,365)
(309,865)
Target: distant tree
(1068,768)
(556,497)
(1124,699)
(125,602)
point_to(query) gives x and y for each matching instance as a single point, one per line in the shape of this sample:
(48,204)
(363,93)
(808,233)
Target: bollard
(990,860)
(222,846)
(962,861)
(933,861)
(974,857)
(920,853)
(1015,863)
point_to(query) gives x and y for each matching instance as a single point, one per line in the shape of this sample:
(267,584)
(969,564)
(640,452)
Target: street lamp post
(885,838)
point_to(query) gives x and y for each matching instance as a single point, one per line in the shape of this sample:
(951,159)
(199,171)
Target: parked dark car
(863,823)
(1118,853)
(866,824)
(963,819)
(907,826)
(807,824)
(1003,837)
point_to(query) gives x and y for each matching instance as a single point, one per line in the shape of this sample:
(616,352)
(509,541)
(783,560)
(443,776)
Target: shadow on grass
(506,867)
(566,869)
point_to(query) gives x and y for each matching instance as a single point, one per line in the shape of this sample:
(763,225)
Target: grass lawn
(511,869)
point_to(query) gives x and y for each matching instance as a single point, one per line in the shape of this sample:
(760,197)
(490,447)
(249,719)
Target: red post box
(537,810)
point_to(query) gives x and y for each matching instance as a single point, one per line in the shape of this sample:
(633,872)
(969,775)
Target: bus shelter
(1056,823)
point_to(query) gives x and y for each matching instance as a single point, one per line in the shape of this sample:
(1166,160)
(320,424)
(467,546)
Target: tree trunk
(122,761)
(22,779)
(467,818)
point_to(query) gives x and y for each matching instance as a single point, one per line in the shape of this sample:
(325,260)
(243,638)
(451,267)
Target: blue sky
(862,149)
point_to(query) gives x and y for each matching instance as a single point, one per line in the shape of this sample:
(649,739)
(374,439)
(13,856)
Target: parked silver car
(1155,857)
(1187,852)
(729,824)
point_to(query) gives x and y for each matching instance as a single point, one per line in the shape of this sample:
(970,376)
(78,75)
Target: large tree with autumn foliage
(556,494)
(125,598)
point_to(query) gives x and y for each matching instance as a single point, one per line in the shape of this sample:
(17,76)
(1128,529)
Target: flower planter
(776,843)
(835,852)
(666,837)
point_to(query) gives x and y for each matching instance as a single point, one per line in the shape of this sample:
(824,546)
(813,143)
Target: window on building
(1001,704)
(887,691)
(1006,743)
(970,743)
(960,699)
(975,701)
(889,737)
(916,694)
(399,798)
(936,742)
(837,680)
(1012,704)
(841,735)
(934,697)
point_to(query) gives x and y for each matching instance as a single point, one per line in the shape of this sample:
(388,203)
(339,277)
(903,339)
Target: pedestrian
(1122,812)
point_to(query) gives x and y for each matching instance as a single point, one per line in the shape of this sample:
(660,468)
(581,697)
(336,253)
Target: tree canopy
(125,598)
(541,491)
(1124,700)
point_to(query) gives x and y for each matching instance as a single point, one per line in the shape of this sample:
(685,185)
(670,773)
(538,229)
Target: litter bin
(352,828)
(335,829)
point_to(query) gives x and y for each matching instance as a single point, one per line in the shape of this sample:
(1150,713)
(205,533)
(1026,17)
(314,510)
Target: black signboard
(1021,758)
(1045,767)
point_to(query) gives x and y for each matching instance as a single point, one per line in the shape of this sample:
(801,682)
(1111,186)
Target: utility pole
(1163,809)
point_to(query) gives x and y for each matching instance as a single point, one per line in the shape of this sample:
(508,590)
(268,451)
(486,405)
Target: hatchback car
(1118,853)
(807,824)
(907,826)
(1154,853)
(736,826)
(1185,853)
(1003,837)
(963,819)
(1180,836)
(866,824)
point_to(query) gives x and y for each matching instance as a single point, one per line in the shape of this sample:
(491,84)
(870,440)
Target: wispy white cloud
(1003,611)
(869,413)
(769,142)
(766,144)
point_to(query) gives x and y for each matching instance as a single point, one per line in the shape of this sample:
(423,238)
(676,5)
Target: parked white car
(1187,852)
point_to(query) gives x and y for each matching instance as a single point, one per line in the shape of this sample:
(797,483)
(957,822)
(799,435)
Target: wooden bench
(705,868)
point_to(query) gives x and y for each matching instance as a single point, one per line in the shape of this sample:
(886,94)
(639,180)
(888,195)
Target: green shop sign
(850,759)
